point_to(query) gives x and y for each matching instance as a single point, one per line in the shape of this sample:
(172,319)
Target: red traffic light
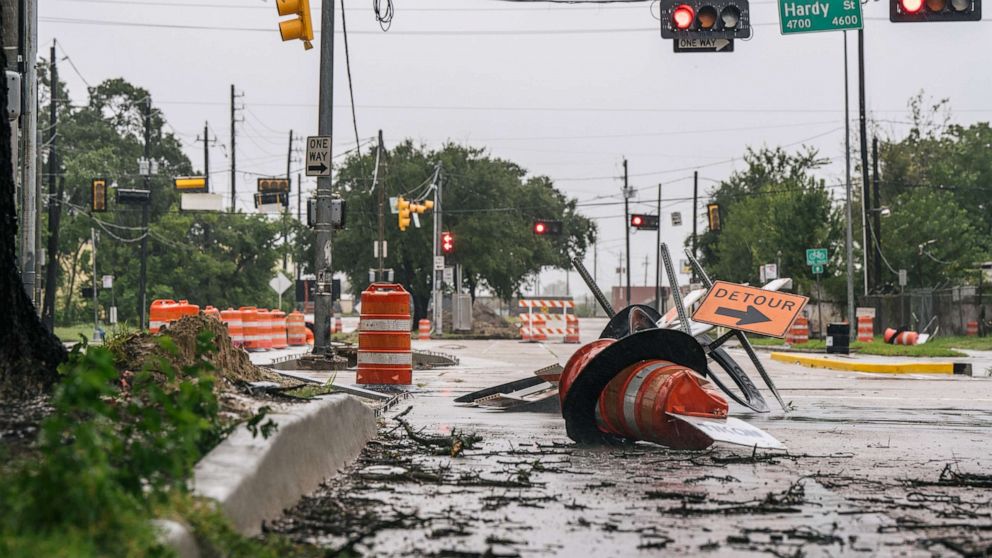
(637,220)
(911,6)
(547,227)
(540,228)
(447,242)
(683,16)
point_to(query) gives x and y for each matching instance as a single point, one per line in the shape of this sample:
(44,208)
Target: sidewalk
(978,363)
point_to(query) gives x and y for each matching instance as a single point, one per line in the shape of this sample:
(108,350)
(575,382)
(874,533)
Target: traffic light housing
(544,227)
(713,214)
(191,184)
(911,11)
(98,195)
(404,209)
(447,243)
(300,27)
(706,19)
(644,222)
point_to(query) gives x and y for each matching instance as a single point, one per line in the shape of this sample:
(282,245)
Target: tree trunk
(29,354)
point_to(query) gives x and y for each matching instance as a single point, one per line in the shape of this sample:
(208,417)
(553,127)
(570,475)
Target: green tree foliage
(489,205)
(937,183)
(220,259)
(772,212)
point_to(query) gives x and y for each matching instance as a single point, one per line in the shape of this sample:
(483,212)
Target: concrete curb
(254,479)
(874,367)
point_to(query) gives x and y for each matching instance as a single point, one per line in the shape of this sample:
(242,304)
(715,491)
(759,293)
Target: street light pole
(323,302)
(849,244)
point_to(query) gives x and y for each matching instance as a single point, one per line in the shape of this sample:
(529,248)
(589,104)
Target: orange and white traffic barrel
(900,337)
(384,355)
(264,329)
(252,331)
(211,312)
(278,320)
(799,332)
(971,329)
(424,330)
(296,330)
(571,329)
(161,313)
(866,329)
(187,309)
(232,318)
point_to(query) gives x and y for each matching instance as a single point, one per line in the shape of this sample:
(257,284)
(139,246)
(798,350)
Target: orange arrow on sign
(750,309)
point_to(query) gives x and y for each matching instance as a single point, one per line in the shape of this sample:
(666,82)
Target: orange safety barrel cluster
(296,329)
(232,318)
(161,314)
(636,403)
(384,356)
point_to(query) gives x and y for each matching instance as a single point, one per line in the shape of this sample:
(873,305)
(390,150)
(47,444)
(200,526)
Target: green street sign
(816,256)
(811,16)
(817,270)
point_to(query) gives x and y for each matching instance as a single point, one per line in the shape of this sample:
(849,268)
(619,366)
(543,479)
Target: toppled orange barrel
(250,325)
(277,319)
(900,337)
(613,390)
(161,314)
(232,318)
(296,329)
(384,355)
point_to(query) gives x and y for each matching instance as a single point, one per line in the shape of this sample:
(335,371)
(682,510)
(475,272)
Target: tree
(772,212)
(489,205)
(29,354)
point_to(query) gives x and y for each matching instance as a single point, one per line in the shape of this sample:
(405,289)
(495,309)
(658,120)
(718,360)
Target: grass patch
(938,347)
(71,333)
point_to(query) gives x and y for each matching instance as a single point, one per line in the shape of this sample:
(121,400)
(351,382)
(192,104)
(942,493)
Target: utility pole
(657,260)
(647,263)
(695,219)
(29,160)
(234,152)
(865,198)
(323,296)
(380,250)
(285,211)
(876,229)
(626,223)
(299,216)
(145,209)
(96,308)
(595,271)
(849,241)
(54,205)
(206,152)
(438,294)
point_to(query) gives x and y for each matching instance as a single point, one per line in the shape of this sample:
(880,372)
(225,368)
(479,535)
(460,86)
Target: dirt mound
(486,323)
(141,349)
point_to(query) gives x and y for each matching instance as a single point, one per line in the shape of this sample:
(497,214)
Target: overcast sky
(564,90)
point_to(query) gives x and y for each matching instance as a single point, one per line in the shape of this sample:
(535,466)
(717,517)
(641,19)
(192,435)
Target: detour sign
(750,309)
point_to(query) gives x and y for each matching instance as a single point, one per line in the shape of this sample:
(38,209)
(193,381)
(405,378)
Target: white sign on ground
(732,431)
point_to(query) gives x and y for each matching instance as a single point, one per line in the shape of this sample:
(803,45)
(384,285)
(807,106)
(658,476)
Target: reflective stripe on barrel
(296,329)
(232,318)
(384,355)
(249,323)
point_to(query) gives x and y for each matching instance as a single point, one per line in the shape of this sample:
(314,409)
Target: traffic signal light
(713,214)
(644,222)
(447,243)
(705,19)
(904,11)
(544,227)
(98,195)
(404,209)
(300,27)
(191,184)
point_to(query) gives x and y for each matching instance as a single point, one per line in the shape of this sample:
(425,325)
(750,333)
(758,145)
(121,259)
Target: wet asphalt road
(876,465)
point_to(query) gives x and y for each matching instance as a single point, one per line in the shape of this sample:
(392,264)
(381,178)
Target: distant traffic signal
(191,184)
(904,11)
(300,27)
(705,19)
(644,222)
(403,208)
(545,227)
(713,214)
(98,195)
(447,243)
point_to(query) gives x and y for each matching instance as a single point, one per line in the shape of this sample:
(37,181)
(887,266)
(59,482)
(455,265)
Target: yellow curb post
(874,367)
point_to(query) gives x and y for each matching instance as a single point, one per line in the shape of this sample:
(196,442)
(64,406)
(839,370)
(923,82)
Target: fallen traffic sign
(749,309)
(319,156)
(703,45)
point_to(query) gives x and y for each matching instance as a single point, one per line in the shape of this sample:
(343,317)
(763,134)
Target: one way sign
(703,45)
(319,156)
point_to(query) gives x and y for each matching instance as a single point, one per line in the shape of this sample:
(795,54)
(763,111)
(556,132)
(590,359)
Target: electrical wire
(351,88)
(384,12)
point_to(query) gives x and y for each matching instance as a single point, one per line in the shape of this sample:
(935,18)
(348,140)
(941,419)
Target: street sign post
(279,284)
(817,269)
(703,45)
(811,16)
(816,256)
(749,309)
(319,156)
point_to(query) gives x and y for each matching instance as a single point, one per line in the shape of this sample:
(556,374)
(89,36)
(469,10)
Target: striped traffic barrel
(278,322)
(250,325)
(296,329)
(187,309)
(900,337)
(636,403)
(866,329)
(264,329)
(384,341)
(211,312)
(424,330)
(161,314)
(971,329)
(232,318)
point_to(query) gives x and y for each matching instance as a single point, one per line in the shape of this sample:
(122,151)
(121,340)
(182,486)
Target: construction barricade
(971,329)
(424,330)
(866,329)
(232,318)
(252,331)
(543,320)
(799,332)
(296,330)
(384,341)
(278,319)
(161,314)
